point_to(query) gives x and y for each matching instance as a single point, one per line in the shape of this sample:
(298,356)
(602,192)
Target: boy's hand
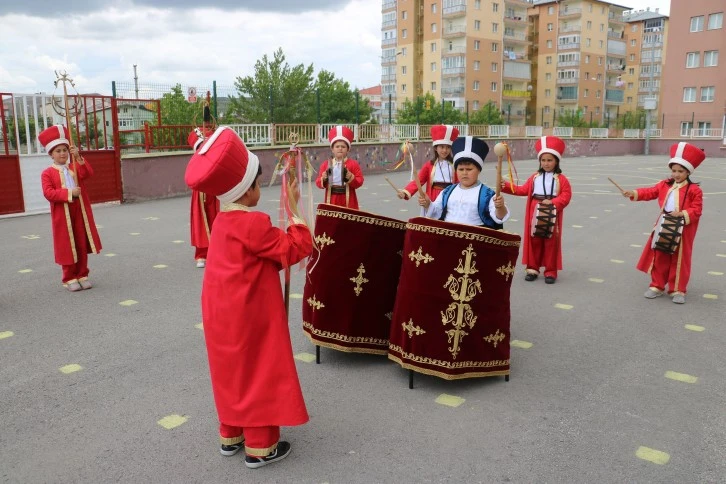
(402,195)
(76,192)
(498,201)
(546,201)
(424,202)
(628,194)
(349,176)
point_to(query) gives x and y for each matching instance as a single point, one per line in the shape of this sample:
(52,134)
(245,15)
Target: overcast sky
(175,41)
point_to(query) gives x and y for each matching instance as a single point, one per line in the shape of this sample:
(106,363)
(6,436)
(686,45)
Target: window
(632,57)
(549,59)
(433,28)
(548,93)
(710,58)
(584,109)
(599,61)
(630,85)
(477,6)
(587,58)
(495,27)
(587,75)
(589,24)
(494,67)
(550,27)
(587,42)
(433,8)
(403,51)
(433,67)
(548,76)
(630,99)
(689,94)
(477,24)
(547,109)
(475,86)
(692,59)
(433,46)
(475,105)
(476,65)
(715,21)
(602,44)
(550,10)
(433,86)
(697,24)
(598,93)
(707,94)
(404,33)
(546,124)
(634,28)
(686,127)
(403,70)
(631,71)
(597,111)
(495,46)
(404,15)
(494,86)
(632,42)
(403,87)
(549,44)
(586,93)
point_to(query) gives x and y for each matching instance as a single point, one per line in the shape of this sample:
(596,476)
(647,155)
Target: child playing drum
(548,192)
(667,255)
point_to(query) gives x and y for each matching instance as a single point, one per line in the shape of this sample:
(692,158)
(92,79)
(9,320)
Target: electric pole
(136,82)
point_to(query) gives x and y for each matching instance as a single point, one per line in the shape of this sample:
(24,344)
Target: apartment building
(647,36)
(580,52)
(694,93)
(464,52)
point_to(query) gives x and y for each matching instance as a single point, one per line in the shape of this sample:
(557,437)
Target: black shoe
(530,277)
(229,450)
(549,280)
(282,451)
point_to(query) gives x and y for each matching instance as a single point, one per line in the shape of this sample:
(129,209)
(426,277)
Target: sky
(177,41)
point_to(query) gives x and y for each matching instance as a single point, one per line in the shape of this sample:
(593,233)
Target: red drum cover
(451,317)
(351,283)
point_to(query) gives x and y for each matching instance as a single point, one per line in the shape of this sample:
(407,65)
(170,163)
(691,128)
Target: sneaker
(530,277)
(85,283)
(549,280)
(232,449)
(283,450)
(652,293)
(201,263)
(74,286)
(679,299)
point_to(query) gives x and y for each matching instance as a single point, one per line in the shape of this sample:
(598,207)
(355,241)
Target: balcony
(388,25)
(388,60)
(516,37)
(570,12)
(454,31)
(568,80)
(568,46)
(615,35)
(388,42)
(614,96)
(456,51)
(513,55)
(521,3)
(616,48)
(453,90)
(517,70)
(575,63)
(510,94)
(566,99)
(390,5)
(570,28)
(616,19)
(616,68)
(453,71)
(388,78)
(515,19)
(454,11)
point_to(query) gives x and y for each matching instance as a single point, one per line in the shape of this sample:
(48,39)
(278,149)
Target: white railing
(563,131)
(254,134)
(631,133)
(499,131)
(533,131)
(706,133)
(599,132)
(652,133)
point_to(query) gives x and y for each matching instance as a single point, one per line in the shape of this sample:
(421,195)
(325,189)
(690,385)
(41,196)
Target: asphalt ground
(606,386)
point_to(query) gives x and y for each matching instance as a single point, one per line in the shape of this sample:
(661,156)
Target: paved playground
(112,384)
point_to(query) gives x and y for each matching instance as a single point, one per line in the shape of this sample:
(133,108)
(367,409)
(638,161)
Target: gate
(11,186)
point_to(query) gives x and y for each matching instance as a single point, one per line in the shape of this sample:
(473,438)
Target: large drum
(544,219)
(351,282)
(451,317)
(667,233)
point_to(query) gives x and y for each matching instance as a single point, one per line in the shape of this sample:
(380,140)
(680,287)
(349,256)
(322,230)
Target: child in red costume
(548,187)
(74,230)
(340,176)
(203,211)
(679,197)
(254,379)
(439,173)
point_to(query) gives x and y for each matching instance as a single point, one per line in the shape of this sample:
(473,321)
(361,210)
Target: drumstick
(621,190)
(390,183)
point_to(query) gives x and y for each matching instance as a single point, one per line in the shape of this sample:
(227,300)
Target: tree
(337,101)
(176,110)
(572,118)
(633,119)
(426,110)
(488,115)
(276,93)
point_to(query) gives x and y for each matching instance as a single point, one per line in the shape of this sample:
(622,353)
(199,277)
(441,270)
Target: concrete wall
(153,176)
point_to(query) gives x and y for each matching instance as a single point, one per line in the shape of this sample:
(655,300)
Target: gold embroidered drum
(452,313)
(544,219)
(667,233)
(351,282)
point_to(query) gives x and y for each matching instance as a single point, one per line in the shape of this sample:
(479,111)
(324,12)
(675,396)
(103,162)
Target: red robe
(677,266)
(253,373)
(552,250)
(426,180)
(204,210)
(340,199)
(55,191)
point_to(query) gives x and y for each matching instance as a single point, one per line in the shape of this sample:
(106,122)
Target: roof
(640,15)
(545,2)
(372,91)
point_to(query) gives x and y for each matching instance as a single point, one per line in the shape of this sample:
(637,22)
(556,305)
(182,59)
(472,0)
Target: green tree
(426,110)
(337,101)
(488,114)
(176,110)
(572,118)
(276,93)
(21,131)
(632,119)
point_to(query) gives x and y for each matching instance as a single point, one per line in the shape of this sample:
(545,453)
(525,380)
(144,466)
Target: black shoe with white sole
(229,450)
(283,450)
(530,277)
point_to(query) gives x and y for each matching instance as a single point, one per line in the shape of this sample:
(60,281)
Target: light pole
(649,103)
